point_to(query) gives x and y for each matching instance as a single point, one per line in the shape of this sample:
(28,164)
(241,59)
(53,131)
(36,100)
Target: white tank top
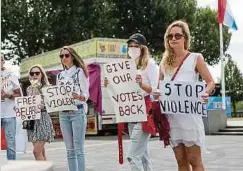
(186,73)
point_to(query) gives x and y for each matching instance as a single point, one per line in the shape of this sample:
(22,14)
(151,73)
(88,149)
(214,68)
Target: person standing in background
(73,123)
(147,77)
(10,88)
(42,129)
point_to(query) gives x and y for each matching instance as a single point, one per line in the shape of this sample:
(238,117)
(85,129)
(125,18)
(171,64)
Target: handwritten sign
(125,93)
(182,98)
(6,84)
(59,98)
(28,107)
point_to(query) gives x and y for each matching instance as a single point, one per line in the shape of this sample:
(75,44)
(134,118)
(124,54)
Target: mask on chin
(134,52)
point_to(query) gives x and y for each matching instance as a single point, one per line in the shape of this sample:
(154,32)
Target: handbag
(28,125)
(149,125)
(161,121)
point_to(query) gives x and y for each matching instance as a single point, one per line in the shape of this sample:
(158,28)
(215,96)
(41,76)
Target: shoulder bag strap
(177,70)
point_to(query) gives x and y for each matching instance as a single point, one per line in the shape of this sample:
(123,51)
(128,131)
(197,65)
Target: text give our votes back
(59,98)
(118,73)
(182,98)
(125,94)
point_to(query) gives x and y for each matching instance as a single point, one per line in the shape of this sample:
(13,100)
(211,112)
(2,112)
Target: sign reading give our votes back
(125,93)
(182,98)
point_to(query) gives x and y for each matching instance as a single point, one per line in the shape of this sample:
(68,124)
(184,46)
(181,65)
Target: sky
(236,44)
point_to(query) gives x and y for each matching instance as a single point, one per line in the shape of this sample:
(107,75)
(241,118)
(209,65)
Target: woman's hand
(78,97)
(205,97)
(5,95)
(139,79)
(106,82)
(156,94)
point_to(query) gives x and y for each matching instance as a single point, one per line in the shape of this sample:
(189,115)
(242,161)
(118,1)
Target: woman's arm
(156,93)
(203,70)
(84,86)
(153,75)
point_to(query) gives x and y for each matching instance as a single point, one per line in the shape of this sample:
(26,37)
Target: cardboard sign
(182,98)
(125,93)
(58,98)
(6,84)
(28,107)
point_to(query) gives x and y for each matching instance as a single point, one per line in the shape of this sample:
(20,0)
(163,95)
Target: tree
(205,35)
(233,82)
(150,18)
(25,27)
(33,27)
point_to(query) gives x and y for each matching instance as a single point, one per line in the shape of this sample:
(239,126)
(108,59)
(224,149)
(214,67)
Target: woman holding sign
(147,78)
(187,136)
(41,130)
(73,123)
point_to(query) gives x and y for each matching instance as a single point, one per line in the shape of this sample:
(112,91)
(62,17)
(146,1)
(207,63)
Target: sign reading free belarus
(125,93)
(182,98)
(28,107)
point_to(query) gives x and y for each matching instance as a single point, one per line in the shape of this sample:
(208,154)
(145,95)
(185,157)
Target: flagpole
(222,58)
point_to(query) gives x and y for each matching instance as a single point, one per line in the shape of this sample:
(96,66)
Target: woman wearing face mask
(73,123)
(138,155)
(186,131)
(42,131)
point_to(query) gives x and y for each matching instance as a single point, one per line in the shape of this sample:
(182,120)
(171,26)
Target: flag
(225,15)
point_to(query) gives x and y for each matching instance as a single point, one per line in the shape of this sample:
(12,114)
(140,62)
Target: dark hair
(77,60)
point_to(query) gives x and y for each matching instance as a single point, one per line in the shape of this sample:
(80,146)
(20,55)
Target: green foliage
(33,27)
(233,82)
(239,106)
(205,35)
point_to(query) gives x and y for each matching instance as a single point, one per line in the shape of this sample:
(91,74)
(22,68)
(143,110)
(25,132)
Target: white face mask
(134,52)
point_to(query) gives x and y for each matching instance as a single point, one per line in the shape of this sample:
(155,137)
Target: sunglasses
(34,73)
(64,55)
(177,36)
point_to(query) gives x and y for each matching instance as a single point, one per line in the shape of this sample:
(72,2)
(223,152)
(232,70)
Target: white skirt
(188,130)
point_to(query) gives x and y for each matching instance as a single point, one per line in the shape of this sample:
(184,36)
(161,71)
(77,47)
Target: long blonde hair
(169,57)
(44,78)
(143,60)
(77,60)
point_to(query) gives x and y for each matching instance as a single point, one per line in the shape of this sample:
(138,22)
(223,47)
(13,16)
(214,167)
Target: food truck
(95,52)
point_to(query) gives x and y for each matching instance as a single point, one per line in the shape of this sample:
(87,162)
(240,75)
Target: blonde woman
(186,131)
(147,78)
(39,131)
(73,123)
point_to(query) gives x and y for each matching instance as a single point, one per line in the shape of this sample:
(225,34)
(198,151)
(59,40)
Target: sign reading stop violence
(182,98)
(59,98)
(125,93)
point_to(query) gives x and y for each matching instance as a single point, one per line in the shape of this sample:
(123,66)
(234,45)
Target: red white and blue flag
(225,15)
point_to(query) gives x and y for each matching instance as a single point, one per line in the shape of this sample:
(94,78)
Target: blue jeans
(9,125)
(138,155)
(73,127)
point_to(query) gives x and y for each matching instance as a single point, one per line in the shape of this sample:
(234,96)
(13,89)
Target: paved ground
(224,153)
